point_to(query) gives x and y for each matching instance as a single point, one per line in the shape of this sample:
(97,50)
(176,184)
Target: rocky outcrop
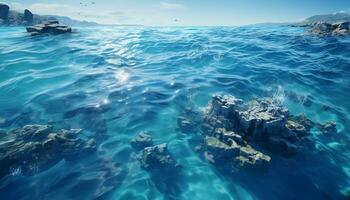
(324,29)
(9,17)
(28,17)
(263,121)
(35,148)
(50,27)
(236,133)
(157,158)
(4,12)
(14,18)
(257,119)
(142,140)
(154,158)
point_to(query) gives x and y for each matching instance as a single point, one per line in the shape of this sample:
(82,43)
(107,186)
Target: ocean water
(141,79)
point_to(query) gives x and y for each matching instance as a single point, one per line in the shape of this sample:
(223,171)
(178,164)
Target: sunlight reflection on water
(122,76)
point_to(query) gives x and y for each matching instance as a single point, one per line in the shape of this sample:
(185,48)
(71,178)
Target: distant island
(326,25)
(328,18)
(10,17)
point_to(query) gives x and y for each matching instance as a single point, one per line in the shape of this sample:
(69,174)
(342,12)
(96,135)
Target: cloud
(169,6)
(16,6)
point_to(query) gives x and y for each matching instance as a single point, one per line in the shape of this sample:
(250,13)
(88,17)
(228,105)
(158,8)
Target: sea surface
(141,78)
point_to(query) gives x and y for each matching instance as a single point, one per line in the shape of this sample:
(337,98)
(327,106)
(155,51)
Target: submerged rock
(303,120)
(189,120)
(185,125)
(227,136)
(230,125)
(35,148)
(329,128)
(221,153)
(158,158)
(220,150)
(251,158)
(50,27)
(141,141)
(294,130)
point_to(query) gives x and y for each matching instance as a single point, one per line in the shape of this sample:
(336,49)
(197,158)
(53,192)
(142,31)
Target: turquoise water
(114,82)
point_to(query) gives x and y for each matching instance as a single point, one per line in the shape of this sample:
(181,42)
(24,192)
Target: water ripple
(114,82)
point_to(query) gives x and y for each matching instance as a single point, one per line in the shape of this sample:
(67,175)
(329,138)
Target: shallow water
(114,82)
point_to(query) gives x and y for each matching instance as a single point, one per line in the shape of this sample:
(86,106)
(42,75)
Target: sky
(184,12)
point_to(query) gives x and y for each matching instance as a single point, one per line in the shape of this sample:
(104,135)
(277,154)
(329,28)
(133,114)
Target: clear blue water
(141,78)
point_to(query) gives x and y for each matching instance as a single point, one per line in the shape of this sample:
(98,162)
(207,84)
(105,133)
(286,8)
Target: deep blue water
(141,78)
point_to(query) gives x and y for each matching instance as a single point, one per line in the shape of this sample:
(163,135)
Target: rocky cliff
(9,17)
(14,18)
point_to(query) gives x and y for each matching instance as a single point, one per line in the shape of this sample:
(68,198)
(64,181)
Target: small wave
(114,82)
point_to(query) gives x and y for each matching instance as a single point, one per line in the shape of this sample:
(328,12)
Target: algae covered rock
(234,155)
(251,158)
(158,158)
(303,120)
(294,130)
(221,150)
(35,148)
